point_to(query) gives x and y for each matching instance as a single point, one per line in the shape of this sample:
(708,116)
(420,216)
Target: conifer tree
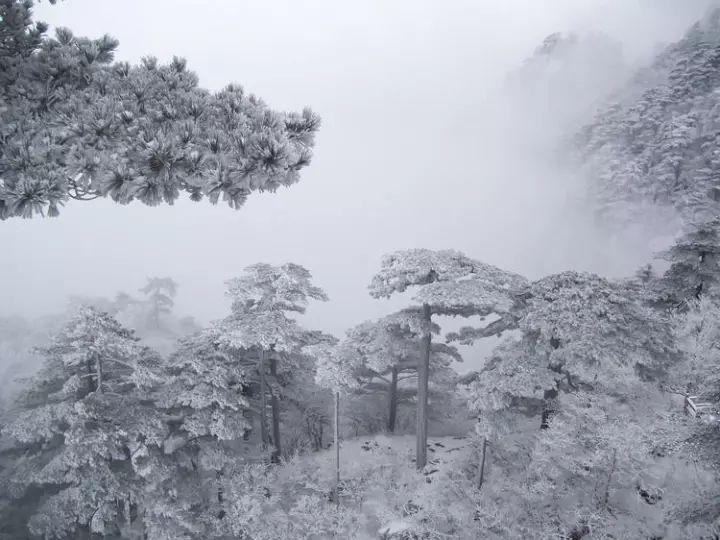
(79,427)
(656,145)
(160,293)
(203,403)
(259,325)
(694,263)
(449,283)
(587,361)
(386,353)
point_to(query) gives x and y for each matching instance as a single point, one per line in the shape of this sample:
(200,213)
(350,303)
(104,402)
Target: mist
(421,146)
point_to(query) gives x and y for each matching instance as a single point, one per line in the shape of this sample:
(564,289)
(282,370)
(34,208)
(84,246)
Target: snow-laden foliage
(203,403)
(79,425)
(259,327)
(657,146)
(264,330)
(573,414)
(697,330)
(395,341)
(381,358)
(578,331)
(260,297)
(264,287)
(75,125)
(205,386)
(449,281)
(336,366)
(694,264)
(402,269)
(381,492)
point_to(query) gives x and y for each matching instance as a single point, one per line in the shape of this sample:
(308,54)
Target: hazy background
(415,149)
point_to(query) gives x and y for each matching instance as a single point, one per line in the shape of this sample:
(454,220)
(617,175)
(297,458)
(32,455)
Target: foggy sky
(406,155)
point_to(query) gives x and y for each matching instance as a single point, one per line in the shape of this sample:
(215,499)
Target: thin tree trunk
(422,394)
(263,403)
(482,463)
(547,412)
(220,495)
(128,516)
(393,401)
(337,449)
(99,367)
(88,365)
(275,405)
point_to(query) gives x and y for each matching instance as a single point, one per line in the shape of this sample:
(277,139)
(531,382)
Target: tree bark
(128,516)
(337,448)
(263,403)
(392,415)
(482,463)
(275,405)
(99,367)
(88,366)
(422,396)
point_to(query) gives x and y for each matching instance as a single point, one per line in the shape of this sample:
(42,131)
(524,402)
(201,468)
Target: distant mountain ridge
(559,86)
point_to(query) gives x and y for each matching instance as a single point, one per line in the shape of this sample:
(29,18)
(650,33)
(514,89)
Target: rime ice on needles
(449,283)
(81,419)
(263,287)
(75,125)
(260,297)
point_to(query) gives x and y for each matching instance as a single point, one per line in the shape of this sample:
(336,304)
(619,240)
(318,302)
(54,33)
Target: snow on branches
(75,125)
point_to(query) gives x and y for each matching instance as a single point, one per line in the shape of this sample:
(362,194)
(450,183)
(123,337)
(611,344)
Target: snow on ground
(380,482)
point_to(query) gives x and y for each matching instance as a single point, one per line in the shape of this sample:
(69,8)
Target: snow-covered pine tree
(74,125)
(385,354)
(588,360)
(306,405)
(335,369)
(160,292)
(259,326)
(694,263)
(78,428)
(656,146)
(449,283)
(697,331)
(203,404)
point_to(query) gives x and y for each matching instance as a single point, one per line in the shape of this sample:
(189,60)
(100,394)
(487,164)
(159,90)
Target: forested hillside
(657,143)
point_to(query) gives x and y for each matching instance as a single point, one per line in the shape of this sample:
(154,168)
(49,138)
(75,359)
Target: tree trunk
(128,517)
(275,404)
(393,401)
(220,495)
(547,412)
(422,394)
(263,403)
(337,449)
(88,365)
(482,463)
(99,367)
(84,532)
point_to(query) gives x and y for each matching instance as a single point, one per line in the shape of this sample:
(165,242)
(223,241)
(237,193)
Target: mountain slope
(659,146)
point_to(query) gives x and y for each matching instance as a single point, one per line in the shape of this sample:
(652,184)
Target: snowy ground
(380,481)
